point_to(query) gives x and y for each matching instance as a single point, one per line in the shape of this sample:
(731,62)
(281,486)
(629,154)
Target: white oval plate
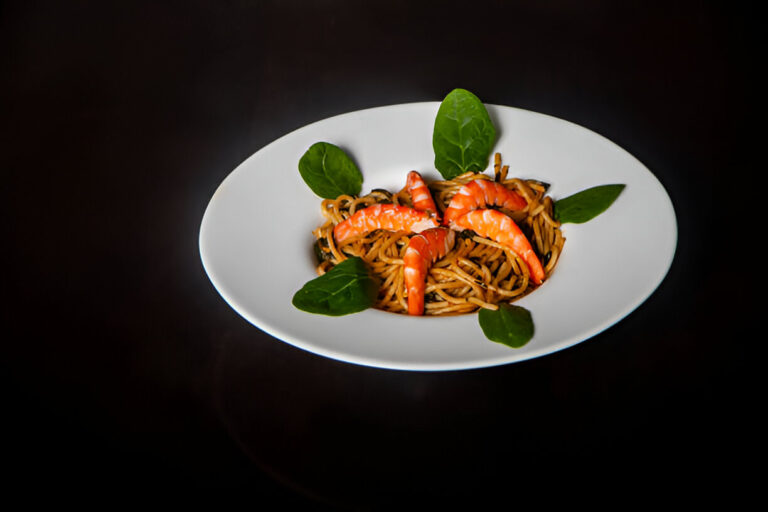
(256,241)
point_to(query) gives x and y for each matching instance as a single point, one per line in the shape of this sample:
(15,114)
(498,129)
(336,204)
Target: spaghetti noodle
(476,273)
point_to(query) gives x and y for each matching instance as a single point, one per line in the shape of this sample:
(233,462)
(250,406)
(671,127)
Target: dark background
(125,373)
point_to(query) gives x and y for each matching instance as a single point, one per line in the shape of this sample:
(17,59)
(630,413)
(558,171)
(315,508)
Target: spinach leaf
(510,325)
(329,172)
(587,204)
(463,135)
(346,288)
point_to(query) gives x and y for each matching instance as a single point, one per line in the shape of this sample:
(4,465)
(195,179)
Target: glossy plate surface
(256,240)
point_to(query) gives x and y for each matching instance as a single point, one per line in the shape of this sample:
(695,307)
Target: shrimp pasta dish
(446,247)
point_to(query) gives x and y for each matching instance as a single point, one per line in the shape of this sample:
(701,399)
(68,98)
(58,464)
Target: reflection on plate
(256,240)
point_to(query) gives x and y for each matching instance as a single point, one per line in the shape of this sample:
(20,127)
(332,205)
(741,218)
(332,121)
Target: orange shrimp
(423,250)
(420,194)
(383,216)
(501,228)
(478,193)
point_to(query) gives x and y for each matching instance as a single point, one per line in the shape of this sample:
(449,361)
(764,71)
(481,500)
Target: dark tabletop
(125,372)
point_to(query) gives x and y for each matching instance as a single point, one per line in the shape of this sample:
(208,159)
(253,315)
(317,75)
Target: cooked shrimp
(383,216)
(423,250)
(479,193)
(420,194)
(497,226)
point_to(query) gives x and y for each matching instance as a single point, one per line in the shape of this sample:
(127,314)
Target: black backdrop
(124,371)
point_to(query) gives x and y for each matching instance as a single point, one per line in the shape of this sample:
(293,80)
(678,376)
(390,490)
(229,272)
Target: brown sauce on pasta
(477,272)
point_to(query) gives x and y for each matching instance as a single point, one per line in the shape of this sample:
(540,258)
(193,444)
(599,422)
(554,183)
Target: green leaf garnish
(346,288)
(329,172)
(509,325)
(587,204)
(463,135)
